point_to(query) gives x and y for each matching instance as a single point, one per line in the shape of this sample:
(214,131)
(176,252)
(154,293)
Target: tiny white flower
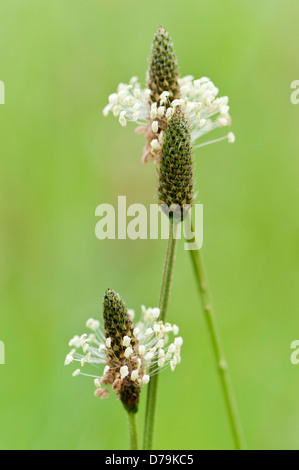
(161,353)
(149,356)
(88,356)
(185,89)
(177,102)
(143,310)
(131,313)
(168,327)
(68,360)
(155,144)
(178,356)
(161,111)
(163,97)
(136,332)
(145,379)
(160,343)
(113,98)
(175,330)
(134,375)
(161,362)
(108,343)
(155,126)
(156,312)
(224,109)
(161,139)
(148,332)
(137,93)
(154,111)
(223,121)
(178,342)
(89,322)
(129,101)
(124,372)
(169,113)
(83,339)
(92,338)
(126,341)
(128,352)
(97,383)
(116,110)
(75,341)
(231,137)
(133,80)
(122,118)
(107,109)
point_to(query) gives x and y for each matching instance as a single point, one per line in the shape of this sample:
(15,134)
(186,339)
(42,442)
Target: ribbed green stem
(168,270)
(165,269)
(133,431)
(163,305)
(206,298)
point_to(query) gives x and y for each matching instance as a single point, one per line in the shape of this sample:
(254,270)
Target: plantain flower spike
(122,357)
(163,69)
(151,108)
(125,355)
(175,181)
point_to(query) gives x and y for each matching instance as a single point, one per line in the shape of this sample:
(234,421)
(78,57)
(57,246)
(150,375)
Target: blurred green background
(60,158)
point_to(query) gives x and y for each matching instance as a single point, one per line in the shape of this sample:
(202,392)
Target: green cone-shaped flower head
(119,328)
(176,183)
(163,69)
(117,322)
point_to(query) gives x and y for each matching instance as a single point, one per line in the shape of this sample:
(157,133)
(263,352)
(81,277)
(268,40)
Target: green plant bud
(119,325)
(117,322)
(163,69)
(176,183)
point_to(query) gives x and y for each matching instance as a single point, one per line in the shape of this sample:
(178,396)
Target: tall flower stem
(133,430)
(168,270)
(151,404)
(206,298)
